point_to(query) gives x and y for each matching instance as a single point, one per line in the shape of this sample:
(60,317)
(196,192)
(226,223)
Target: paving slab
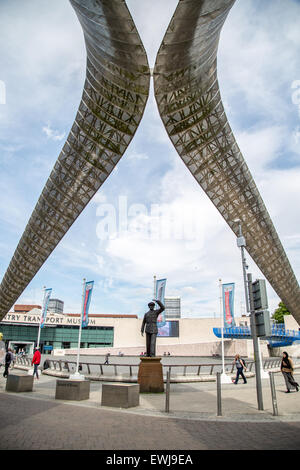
(192,422)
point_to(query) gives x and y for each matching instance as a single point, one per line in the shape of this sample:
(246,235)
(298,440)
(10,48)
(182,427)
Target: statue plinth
(150,376)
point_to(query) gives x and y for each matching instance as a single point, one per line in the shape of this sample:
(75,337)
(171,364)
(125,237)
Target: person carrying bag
(287,368)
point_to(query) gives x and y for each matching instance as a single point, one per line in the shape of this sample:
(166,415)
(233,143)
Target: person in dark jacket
(240,367)
(287,368)
(36,362)
(150,326)
(8,360)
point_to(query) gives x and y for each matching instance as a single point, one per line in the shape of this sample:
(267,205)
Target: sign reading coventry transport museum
(34,316)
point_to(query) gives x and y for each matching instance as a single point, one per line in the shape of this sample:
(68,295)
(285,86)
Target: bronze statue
(150,321)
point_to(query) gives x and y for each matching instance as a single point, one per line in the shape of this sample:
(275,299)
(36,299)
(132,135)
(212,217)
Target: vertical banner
(88,288)
(160,295)
(228,304)
(45,306)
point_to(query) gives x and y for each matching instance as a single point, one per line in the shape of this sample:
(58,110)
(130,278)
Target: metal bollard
(273,393)
(219,400)
(167,409)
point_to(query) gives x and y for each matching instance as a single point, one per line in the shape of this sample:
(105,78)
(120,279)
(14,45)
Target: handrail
(206,369)
(277,331)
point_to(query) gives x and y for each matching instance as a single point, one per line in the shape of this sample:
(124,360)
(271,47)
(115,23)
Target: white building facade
(122,334)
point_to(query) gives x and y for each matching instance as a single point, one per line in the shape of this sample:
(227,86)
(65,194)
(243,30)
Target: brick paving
(37,424)
(36,421)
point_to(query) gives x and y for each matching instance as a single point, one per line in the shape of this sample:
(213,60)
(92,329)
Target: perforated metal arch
(113,101)
(188,98)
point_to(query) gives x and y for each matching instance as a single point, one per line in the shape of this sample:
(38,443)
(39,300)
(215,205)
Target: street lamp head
(238,221)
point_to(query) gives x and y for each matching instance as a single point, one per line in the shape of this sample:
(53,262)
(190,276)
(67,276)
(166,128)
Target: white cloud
(250,51)
(78,255)
(42,69)
(99,198)
(261,146)
(53,134)
(137,156)
(281,193)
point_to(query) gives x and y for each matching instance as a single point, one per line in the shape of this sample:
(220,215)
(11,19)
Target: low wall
(212,348)
(293,351)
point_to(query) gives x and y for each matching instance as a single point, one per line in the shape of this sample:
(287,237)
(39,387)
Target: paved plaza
(37,421)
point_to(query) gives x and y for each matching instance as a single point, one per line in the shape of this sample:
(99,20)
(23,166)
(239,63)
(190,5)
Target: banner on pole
(160,295)
(88,288)
(45,306)
(228,304)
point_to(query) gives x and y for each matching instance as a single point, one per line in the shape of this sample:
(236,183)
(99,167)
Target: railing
(271,363)
(24,361)
(277,331)
(100,370)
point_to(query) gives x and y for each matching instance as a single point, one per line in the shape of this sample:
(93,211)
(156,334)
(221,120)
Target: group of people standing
(9,360)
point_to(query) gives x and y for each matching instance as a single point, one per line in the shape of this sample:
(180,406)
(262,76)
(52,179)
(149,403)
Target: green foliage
(280,312)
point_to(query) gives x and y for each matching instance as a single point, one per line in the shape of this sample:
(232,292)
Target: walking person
(240,366)
(36,362)
(8,361)
(287,368)
(106,358)
(13,359)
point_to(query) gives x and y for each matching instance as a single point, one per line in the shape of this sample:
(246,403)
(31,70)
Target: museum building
(20,330)
(115,333)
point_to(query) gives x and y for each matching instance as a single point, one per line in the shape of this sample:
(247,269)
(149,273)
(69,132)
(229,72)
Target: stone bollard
(19,383)
(72,390)
(120,395)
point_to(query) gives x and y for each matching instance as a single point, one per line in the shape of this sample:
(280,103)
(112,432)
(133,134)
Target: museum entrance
(18,346)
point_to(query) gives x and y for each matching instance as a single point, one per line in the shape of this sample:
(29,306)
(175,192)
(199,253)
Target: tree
(280,312)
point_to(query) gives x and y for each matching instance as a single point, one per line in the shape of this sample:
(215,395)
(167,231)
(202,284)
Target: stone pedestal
(150,376)
(72,390)
(120,395)
(19,383)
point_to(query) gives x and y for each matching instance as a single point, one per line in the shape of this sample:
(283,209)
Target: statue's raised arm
(162,307)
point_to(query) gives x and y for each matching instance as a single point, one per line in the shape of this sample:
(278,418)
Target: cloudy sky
(150,217)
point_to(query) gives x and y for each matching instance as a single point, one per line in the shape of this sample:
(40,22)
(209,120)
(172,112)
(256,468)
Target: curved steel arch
(189,102)
(113,101)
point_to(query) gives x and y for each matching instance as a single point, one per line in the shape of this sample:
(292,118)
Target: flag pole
(39,333)
(154,287)
(77,375)
(224,377)
(222,324)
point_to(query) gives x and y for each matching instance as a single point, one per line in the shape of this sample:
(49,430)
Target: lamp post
(241,243)
(77,375)
(39,333)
